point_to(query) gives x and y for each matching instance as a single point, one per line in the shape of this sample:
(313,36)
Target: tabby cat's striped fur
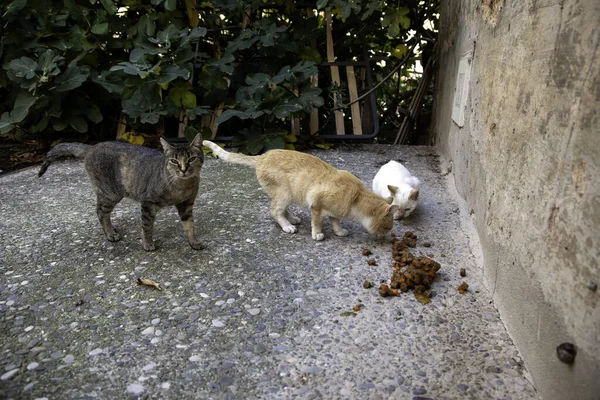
(155,179)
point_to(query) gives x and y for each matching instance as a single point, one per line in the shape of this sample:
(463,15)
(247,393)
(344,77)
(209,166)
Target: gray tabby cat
(155,179)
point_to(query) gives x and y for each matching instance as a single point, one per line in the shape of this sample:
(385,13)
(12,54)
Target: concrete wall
(527,163)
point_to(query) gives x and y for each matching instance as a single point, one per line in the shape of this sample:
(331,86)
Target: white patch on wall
(461,90)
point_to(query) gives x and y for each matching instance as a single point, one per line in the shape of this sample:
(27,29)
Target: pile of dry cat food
(411,272)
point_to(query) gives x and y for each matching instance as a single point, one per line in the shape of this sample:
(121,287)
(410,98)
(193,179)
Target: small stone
(32,365)
(29,328)
(9,374)
(367,284)
(165,385)
(217,323)
(593,286)
(148,331)
(463,272)
(155,321)
(254,311)
(149,367)
(195,358)
(426,244)
(69,358)
(135,388)
(97,351)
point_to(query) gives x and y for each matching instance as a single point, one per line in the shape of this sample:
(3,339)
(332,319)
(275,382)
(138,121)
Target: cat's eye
(192,159)
(407,209)
(174,161)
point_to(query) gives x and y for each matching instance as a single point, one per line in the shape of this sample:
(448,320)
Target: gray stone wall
(527,163)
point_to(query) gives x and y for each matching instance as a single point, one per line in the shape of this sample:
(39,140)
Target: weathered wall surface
(527,162)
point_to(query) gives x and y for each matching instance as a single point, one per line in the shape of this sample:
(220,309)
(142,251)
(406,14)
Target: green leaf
(255,144)
(78,123)
(23,103)
(170,5)
(15,7)
(321,4)
(400,51)
(171,73)
(93,113)
(41,125)
(72,78)
(136,54)
(192,12)
(274,142)
(190,133)
(193,113)
(111,87)
(59,124)
(181,96)
(100,29)
(227,114)
(284,110)
(109,6)
(48,63)
(6,124)
(152,117)
(23,67)
(291,138)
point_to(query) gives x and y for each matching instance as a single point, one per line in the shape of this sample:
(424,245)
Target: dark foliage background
(91,70)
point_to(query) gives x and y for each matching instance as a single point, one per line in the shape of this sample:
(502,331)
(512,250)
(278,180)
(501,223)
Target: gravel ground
(258,314)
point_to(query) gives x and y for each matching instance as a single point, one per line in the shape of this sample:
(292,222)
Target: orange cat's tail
(235,158)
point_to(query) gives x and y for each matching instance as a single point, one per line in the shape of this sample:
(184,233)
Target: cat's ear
(391,209)
(414,195)
(393,189)
(166,145)
(389,200)
(197,141)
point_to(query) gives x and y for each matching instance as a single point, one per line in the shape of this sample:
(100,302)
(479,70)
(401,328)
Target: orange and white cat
(291,177)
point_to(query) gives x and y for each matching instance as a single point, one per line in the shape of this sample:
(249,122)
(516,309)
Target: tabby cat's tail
(62,150)
(235,158)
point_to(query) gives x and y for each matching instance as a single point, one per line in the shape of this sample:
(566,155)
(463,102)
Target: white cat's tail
(235,158)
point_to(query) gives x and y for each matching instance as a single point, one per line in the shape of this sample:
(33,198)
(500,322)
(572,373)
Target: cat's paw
(289,229)
(341,232)
(113,236)
(197,246)
(318,236)
(294,220)
(149,246)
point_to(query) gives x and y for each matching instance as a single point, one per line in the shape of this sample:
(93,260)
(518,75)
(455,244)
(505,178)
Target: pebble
(135,388)
(29,328)
(148,331)
(9,374)
(149,367)
(69,358)
(254,311)
(32,365)
(217,323)
(165,385)
(195,358)
(155,321)
(95,352)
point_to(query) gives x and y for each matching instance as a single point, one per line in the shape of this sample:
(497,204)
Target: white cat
(393,179)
